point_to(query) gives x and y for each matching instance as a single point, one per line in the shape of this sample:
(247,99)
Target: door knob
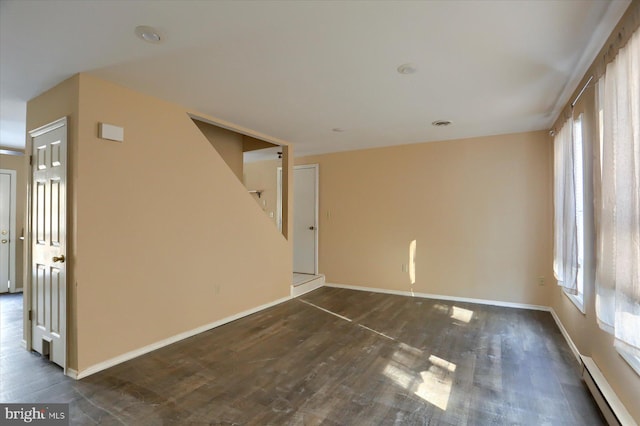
(312,228)
(5,241)
(59,258)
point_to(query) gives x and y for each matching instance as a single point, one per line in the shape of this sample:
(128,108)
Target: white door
(48,241)
(305,223)
(7,229)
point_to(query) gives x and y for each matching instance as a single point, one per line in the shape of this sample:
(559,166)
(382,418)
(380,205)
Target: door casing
(27,288)
(316,167)
(11,237)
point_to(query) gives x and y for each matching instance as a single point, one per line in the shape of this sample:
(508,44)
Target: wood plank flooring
(331,357)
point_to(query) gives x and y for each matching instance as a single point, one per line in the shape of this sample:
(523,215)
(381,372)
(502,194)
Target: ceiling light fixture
(148,34)
(441,123)
(407,69)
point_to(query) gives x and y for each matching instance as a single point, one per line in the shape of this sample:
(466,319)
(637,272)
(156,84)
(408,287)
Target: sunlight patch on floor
(435,387)
(461,314)
(432,385)
(436,382)
(440,308)
(443,364)
(399,375)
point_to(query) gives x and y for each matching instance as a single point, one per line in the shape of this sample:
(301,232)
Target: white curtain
(565,247)
(618,200)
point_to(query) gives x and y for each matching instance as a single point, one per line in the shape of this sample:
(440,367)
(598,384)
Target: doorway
(47,300)
(305,217)
(7,231)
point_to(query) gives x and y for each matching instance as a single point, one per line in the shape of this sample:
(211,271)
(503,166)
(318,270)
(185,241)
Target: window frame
(632,360)
(578,158)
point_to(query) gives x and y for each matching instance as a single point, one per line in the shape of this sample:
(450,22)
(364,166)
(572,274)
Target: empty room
(320,212)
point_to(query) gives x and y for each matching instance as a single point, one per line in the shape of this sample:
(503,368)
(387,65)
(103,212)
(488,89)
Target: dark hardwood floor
(331,357)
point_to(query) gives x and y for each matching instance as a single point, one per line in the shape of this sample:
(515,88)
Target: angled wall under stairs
(165,236)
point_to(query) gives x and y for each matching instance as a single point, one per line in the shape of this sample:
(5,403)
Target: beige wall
(477,208)
(164,229)
(19,163)
(227,143)
(262,175)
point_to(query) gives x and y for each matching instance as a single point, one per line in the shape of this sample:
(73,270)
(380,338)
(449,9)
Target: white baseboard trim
(566,335)
(23,344)
(442,297)
(297,291)
(168,341)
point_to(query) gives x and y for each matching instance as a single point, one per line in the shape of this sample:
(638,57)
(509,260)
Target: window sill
(577,301)
(633,361)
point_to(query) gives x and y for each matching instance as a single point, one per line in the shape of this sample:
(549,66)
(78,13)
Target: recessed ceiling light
(337,129)
(148,34)
(441,123)
(407,69)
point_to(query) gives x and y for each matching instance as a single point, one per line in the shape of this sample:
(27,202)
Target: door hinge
(30,314)
(31,160)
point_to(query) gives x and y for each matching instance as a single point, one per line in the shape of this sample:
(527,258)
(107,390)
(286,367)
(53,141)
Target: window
(617,202)
(578,298)
(565,247)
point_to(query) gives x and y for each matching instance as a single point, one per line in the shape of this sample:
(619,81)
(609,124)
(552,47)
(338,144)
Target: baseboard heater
(611,407)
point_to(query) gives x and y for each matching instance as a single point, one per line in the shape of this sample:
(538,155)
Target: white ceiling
(296,69)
